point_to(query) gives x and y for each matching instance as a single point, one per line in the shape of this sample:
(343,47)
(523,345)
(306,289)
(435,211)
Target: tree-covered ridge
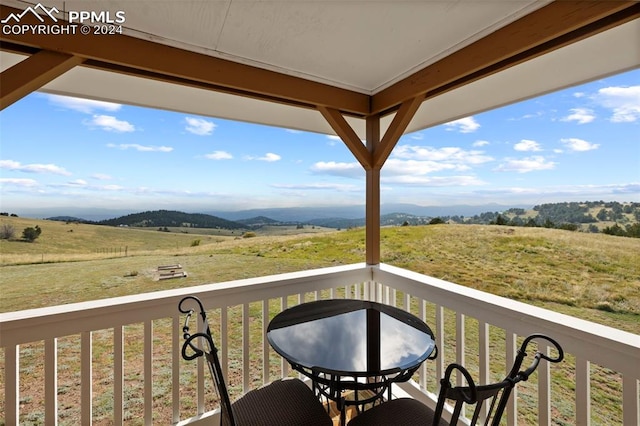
(614,218)
(172,218)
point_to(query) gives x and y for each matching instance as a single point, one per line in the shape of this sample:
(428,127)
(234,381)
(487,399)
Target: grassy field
(591,276)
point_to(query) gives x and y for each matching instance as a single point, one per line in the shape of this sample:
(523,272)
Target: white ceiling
(364,45)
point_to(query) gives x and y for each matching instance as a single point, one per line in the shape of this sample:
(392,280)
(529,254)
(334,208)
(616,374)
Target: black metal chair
(409,412)
(286,402)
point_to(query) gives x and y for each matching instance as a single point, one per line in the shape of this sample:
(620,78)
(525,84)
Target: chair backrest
(201,344)
(492,396)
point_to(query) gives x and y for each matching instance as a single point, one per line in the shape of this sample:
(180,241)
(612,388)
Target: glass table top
(350,336)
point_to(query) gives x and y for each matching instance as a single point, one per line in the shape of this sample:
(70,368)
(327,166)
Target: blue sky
(582,143)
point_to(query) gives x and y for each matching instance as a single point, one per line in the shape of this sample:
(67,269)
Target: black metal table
(343,345)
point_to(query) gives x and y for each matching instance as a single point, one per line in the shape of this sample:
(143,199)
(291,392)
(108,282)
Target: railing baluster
(460,344)
(51,381)
(246,351)
(265,343)
(12,384)
(440,367)
(284,366)
(544,389)
(583,391)
(631,399)
(483,359)
(148,372)
(86,378)
(422,314)
(224,341)
(512,405)
(176,337)
(118,375)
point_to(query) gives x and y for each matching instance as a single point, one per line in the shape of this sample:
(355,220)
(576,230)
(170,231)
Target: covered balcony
(367,73)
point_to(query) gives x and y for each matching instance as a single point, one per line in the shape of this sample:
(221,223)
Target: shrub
(30,234)
(195,243)
(248,235)
(7,232)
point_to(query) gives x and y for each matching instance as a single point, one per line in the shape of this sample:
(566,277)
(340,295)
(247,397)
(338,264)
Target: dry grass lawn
(591,276)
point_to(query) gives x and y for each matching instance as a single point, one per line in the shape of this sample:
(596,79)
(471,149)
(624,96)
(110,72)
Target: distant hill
(258,221)
(328,214)
(390,219)
(171,218)
(68,219)
(617,218)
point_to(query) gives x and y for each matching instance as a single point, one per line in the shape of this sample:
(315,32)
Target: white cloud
(219,155)
(33,168)
(78,182)
(87,106)
(525,165)
(352,170)
(334,140)
(463,125)
(624,102)
(141,148)
(319,186)
(580,115)
(25,183)
(575,144)
(528,116)
(452,155)
(480,143)
(101,176)
(199,126)
(396,167)
(434,181)
(269,157)
(112,188)
(527,145)
(110,124)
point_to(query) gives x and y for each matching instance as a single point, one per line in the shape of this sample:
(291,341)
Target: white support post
(176,337)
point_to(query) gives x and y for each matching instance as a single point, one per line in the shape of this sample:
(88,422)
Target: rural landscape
(580,259)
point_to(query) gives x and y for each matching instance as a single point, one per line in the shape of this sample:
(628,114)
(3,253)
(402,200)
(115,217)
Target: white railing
(119,359)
